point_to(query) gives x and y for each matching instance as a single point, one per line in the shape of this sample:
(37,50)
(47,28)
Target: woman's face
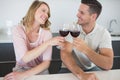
(41,14)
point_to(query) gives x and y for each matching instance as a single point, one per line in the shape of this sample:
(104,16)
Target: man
(93,48)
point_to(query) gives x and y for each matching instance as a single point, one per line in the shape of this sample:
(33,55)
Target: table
(102,75)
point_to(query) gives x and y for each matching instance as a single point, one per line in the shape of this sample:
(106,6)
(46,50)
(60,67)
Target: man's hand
(88,76)
(80,45)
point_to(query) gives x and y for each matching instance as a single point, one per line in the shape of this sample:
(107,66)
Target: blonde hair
(29,18)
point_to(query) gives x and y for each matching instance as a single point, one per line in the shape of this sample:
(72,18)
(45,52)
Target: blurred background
(62,11)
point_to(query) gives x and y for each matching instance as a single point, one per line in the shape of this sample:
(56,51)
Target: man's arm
(104,59)
(68,60)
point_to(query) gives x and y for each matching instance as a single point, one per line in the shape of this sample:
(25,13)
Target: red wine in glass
(75,33)
(63,33)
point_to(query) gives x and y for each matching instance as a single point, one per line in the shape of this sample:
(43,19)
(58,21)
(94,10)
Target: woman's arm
(21,46)
(22,75)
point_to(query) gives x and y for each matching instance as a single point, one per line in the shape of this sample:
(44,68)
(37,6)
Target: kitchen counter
(5,38)
(115,38)
(102,75)
(8,38)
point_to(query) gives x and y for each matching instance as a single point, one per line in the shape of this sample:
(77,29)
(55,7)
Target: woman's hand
(57,41)
(14,76)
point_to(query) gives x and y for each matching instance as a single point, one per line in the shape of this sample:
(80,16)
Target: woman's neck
(35,28)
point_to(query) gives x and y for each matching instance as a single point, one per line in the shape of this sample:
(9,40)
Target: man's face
(84,17)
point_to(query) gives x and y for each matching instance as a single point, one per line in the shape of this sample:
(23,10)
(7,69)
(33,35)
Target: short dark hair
(94,6)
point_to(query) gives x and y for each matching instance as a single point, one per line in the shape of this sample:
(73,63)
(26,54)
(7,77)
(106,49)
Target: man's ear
(94,16)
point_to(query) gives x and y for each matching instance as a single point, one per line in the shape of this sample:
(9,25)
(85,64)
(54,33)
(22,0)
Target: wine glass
(63,31)
(75,30)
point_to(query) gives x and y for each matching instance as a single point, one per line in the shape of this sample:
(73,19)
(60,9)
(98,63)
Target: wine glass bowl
(74,33)
(75,30)
(63,33)
(64,30)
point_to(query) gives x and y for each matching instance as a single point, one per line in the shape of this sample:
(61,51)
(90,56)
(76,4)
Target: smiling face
(41,14)
(84,16)
(37,15)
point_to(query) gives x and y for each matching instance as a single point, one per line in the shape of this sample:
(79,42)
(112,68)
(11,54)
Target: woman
(33,43)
